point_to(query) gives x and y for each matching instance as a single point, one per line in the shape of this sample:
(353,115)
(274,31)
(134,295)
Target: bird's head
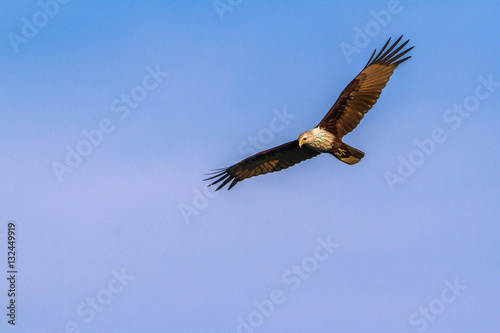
(305,138)
(317,138)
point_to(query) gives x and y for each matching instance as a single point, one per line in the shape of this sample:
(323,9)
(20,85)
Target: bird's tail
(347,154)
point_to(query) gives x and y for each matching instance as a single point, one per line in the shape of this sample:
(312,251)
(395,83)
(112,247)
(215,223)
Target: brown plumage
(355,100)
(274,159)
(362,93)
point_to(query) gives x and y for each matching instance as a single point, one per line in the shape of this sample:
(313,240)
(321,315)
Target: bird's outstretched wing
(271,160)
(362,93)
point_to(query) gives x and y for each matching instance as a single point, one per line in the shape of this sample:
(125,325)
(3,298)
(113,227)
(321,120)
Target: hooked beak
(300,143)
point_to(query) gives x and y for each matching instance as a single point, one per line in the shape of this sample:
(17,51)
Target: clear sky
(113,111)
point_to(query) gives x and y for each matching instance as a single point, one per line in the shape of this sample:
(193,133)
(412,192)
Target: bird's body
(323,141)
(355,100)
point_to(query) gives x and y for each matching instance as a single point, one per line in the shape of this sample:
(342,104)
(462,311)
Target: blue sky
(113,112)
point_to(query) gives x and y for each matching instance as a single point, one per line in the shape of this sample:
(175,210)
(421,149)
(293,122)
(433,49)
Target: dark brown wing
(274,159)
(362,93)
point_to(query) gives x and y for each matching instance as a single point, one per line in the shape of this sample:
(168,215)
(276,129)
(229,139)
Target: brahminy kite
(357,98)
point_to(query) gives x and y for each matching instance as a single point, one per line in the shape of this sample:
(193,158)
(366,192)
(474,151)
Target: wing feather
(363,92)
(274,159)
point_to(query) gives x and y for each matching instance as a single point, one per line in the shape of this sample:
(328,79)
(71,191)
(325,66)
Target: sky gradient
(113,112)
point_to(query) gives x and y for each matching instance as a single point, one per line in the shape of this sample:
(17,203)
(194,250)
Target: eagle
(353,103)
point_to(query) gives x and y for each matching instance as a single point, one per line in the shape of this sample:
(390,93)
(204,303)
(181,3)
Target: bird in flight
(357,98)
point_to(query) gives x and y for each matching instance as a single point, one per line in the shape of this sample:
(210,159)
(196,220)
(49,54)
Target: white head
(306,138)
(317,138)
